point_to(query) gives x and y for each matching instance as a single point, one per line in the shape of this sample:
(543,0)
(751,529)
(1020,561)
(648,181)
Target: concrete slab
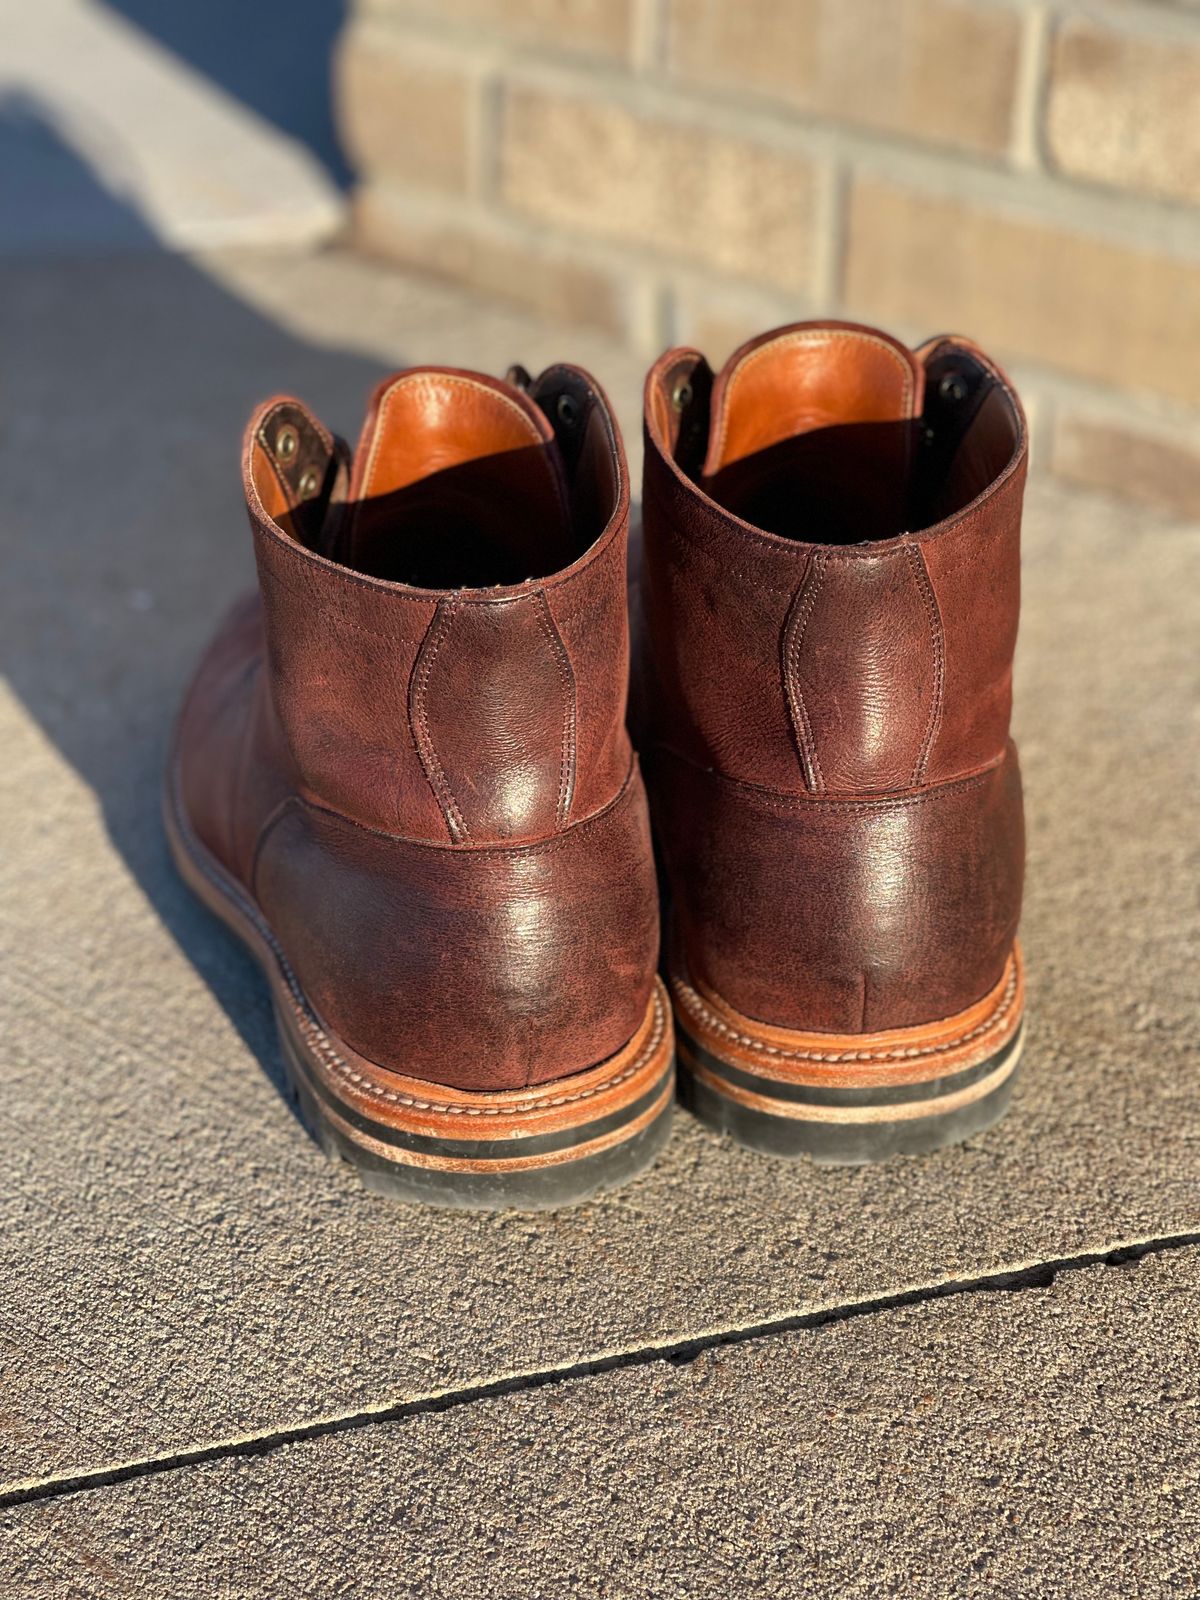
(1041,1443)
(110,140)
(178,1264)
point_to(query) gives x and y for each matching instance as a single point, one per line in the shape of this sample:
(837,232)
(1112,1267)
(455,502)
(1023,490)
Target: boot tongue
(458,482)
(805,377)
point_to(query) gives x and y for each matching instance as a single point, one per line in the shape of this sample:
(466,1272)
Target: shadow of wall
(272,55)
(125,383)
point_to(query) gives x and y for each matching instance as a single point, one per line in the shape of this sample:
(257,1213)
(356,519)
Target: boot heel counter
(844,915)
(478,968)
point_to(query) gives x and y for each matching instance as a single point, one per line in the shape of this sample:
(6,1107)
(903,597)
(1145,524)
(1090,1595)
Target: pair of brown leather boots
(403,774)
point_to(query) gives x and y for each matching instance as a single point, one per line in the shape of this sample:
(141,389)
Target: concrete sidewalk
(184,1273)
(109,139)
(1035,1444)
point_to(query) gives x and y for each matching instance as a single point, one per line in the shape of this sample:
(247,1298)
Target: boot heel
(537,1148)
(532,1149)
(846,1100)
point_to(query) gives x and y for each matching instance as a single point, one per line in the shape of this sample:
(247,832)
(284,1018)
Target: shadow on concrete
(273,55)
(126,383)
(50,201)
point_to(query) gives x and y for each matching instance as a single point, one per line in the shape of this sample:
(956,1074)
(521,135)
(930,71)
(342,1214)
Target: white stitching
(793,633)
(688,997)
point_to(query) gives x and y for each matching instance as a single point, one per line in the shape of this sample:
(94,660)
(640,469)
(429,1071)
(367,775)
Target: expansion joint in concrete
(681,1352)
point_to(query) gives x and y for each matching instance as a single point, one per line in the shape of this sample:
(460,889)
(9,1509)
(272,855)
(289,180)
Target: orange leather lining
(809,377)
(426,420)
(448,451)
(270,491)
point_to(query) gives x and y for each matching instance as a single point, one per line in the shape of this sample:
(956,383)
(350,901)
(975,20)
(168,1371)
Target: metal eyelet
(681,395)
(287,442)
(567,409)
(310,482)
(953,388)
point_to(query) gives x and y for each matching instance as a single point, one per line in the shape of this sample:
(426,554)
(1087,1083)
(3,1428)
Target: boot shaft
(830,592)
(834,609)
(409,753)
(445,615)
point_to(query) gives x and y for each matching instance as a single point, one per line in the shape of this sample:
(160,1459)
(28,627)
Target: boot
(402,776)
(830,594)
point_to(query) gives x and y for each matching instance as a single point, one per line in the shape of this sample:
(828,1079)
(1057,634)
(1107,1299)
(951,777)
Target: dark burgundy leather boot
(830,597)
(402,776)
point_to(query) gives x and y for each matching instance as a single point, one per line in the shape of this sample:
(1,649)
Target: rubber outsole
(538,1148)
(852,1099)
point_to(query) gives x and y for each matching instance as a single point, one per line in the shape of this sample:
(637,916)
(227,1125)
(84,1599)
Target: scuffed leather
(842,916)
(974,564)
(482,969)
(212,730)
(860,692)
(433,792)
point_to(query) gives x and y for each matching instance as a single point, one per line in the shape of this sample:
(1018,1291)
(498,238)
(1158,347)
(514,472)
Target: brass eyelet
(287,442)
(567,409)
(681,395)
(310,482)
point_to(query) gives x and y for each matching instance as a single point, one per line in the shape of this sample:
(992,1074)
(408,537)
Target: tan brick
(1159,466)
(595,27)
(932,69)
(474,250)
(1027,287)
(717,318)
(1126,111)
(404,111)
(699,196)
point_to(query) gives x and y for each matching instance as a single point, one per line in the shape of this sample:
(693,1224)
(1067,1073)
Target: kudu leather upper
(829,598)
(410,747)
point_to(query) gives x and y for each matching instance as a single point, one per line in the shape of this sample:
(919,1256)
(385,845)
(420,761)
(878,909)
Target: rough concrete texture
(178,1263)
(1040,1443)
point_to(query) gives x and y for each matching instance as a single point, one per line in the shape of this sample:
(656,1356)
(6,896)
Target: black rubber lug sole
(849,1144)
(542,1188)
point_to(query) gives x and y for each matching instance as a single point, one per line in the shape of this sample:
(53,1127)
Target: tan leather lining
(458,482)
(805,378)
(426,420)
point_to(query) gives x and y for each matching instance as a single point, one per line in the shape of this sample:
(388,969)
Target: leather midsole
(840,1069)
(890,1110)
(504,1160)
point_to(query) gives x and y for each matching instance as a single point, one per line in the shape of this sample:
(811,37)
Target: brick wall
(698,170)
